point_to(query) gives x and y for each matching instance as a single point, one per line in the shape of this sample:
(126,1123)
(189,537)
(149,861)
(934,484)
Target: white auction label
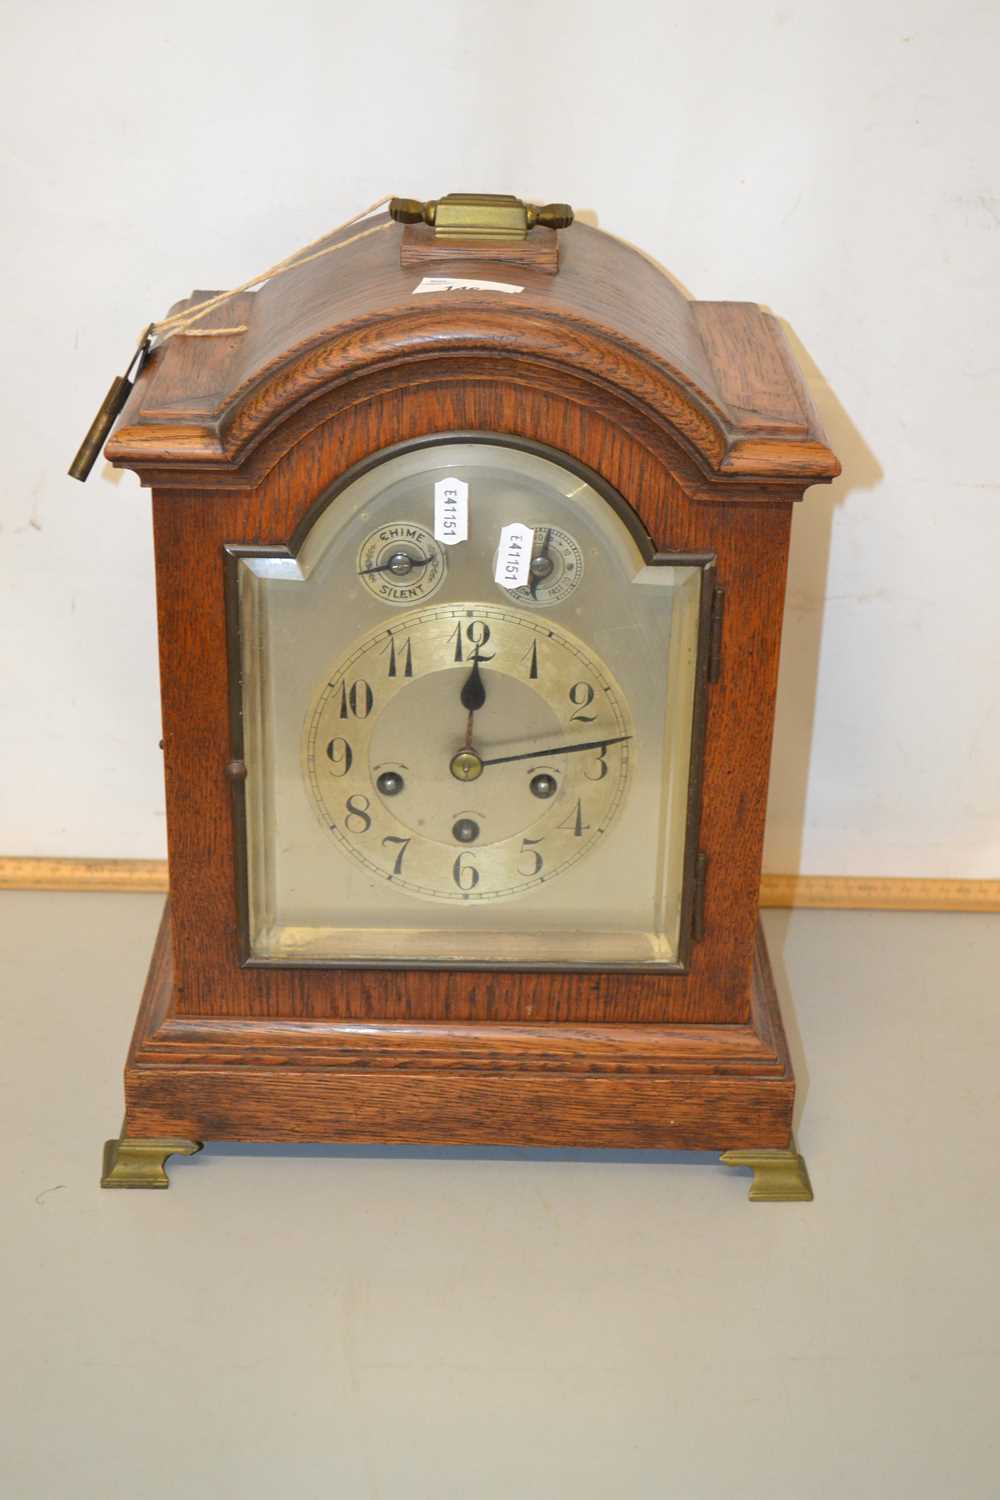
(514,557)
(463,284)
(451,511)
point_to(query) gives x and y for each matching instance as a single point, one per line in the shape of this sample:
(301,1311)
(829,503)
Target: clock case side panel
(636,458)
(693,862)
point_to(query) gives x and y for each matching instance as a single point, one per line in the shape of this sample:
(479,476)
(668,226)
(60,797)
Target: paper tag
(514,557)
(461,284)
(451,511)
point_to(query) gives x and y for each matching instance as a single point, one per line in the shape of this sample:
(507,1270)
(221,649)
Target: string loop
(181,322)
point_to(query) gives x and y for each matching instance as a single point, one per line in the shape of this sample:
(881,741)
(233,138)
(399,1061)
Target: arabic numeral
(357,810)
(575,822)
(532,854)
(356,701)
(340,756)
(465,876)
(477,634)
(602,766)
(391,838)
(581,695)
(401,660)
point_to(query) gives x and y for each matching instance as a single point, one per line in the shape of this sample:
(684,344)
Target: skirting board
(833,892)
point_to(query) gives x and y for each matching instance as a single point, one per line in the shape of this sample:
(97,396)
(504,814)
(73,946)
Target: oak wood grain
(421,249)
(522,1097)
(162,1036)
(750,543)
(610,314)
(698,1114)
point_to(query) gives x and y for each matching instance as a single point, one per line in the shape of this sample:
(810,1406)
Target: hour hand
(473,695)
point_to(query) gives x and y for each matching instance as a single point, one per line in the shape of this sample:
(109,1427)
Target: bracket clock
(471,543)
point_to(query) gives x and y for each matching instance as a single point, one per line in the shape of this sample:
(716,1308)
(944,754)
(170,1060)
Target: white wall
(835,161)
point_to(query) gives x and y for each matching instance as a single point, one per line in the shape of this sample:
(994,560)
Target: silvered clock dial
(469,752)
(454,761)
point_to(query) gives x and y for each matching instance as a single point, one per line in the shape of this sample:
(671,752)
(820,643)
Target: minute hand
(501,760)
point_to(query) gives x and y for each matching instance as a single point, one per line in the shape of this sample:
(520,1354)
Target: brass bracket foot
(141,1164)
(778,1176)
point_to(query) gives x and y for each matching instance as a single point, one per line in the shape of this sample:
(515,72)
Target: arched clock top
(716,376)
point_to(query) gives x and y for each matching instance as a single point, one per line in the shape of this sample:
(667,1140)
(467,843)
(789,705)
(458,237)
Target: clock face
(469,752)
(467,708)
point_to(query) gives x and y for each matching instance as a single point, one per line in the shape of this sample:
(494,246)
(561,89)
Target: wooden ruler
(831,892)
(879,893)
(82,874)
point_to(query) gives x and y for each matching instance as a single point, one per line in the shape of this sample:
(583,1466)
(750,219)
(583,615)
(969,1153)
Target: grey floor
(423,1325)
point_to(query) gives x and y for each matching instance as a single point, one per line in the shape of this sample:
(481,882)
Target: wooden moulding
(640,1087)
(716,375)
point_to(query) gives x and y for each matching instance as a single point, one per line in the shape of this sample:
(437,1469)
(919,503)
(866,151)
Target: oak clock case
(455,860)
(484,775)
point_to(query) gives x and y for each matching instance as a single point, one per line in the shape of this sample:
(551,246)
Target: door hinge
(698,904)
(715,635)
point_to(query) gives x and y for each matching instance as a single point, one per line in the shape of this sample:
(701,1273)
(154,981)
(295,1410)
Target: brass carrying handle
(480,215)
